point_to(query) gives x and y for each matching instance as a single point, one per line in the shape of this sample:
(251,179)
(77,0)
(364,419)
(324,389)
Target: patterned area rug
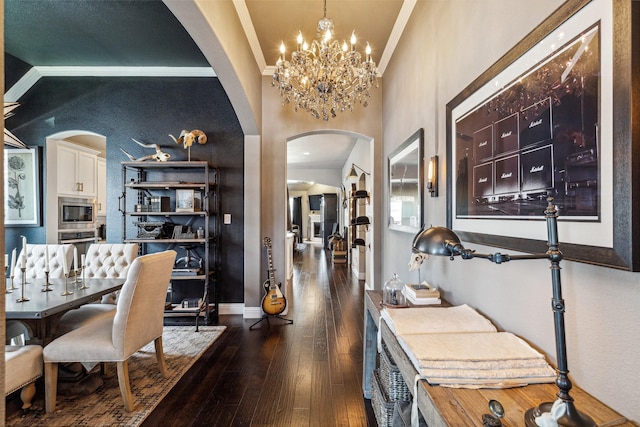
(182,347)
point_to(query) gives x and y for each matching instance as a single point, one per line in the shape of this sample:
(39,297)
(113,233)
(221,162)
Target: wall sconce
(442,241)
(353,174)
(432,176)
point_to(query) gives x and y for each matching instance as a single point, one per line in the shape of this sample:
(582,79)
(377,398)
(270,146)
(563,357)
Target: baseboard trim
(252,312)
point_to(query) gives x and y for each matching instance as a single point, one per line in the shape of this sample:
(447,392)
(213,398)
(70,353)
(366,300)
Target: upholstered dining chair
(104,261)
(138,320)
(35,261)
(34,269)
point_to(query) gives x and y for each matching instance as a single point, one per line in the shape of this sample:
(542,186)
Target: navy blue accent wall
(14,69)
(147,109)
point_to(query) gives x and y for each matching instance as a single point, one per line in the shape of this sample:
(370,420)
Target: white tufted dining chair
(103,261)
(138,321)
(109,260)
(35,261)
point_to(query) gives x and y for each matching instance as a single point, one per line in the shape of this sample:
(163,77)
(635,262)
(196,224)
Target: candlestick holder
(84,282)
(24,282)
(66,285)
(13,283)
(8,289)
(75,276)
(46,282)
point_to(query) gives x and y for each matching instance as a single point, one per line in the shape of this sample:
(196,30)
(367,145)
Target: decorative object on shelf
(432,176)
(393,292)
(353,174)
(182,232)
(325,78)
(185,200)
(187,138)
(150,229)
(159,156)
(442,241)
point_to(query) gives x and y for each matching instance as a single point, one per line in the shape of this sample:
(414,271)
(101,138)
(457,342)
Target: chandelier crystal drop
(325,77)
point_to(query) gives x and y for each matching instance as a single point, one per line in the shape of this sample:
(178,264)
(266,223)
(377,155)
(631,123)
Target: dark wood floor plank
(302,375)
(322,412)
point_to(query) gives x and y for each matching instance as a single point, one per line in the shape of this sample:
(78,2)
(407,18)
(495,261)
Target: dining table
(42,309)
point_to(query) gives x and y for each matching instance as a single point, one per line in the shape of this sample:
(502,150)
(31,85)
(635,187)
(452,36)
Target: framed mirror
(406,177)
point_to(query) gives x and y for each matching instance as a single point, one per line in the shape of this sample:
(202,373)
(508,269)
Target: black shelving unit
(153,218)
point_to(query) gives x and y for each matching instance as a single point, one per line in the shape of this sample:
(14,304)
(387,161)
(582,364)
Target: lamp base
(571,418)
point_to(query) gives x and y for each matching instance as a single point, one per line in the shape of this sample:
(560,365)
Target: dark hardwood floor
(308,373)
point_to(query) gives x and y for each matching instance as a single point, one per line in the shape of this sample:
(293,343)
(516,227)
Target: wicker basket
(391,379)
(382,406)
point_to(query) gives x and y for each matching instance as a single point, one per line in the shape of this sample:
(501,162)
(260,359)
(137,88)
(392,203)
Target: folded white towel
(484,364)
(425,320)
(447,375)
(498,359)
(469,347)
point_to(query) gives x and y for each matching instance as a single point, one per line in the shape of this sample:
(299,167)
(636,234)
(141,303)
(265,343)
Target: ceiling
(144,33)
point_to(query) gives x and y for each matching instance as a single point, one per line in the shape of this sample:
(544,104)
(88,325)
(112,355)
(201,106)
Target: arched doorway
(320,160)
(94,146)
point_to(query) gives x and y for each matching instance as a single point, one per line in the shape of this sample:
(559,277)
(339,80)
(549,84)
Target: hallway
(305,374)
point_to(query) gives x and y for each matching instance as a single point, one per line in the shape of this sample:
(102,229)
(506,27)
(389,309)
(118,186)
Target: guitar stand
(266,317)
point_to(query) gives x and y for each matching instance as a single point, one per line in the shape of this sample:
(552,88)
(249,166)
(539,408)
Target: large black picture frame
(619,95)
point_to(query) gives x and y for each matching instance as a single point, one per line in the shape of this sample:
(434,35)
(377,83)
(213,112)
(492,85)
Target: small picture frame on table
(184,200)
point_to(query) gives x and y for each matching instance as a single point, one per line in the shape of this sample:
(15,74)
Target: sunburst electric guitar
(273,303)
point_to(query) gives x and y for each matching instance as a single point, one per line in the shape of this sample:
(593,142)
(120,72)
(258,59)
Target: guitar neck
(272,279)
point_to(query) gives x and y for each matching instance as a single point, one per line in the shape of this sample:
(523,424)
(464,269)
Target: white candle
(65,267)
(13,262)
(6,260)
(24,253)
(82,260)
(75,258)
(46,258)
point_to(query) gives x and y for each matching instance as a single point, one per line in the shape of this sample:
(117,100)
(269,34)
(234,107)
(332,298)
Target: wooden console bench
(443,406)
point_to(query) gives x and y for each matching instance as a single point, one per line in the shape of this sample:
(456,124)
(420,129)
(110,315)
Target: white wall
(446,45)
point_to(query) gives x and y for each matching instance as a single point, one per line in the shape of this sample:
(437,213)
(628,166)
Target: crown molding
(36,73)
(396,33)
(250,32)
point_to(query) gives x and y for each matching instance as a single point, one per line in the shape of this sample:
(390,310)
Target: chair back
(109,260)
(140,309)
(36,260)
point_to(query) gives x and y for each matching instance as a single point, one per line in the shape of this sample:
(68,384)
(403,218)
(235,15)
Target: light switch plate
(227,218)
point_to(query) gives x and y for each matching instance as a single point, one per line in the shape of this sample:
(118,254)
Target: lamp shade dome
(435,241)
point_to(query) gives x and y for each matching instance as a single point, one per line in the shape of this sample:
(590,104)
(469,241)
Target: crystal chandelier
(326,77)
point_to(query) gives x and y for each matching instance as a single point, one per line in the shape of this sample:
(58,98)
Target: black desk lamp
(442,241)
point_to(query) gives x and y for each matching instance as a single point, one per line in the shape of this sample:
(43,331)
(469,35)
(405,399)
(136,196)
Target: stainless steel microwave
(76,213)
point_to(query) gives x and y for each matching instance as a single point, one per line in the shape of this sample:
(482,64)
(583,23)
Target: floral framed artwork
(554,117)
(22,187)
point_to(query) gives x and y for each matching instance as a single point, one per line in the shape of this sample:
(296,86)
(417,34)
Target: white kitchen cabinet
(77,170)
(101,177)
